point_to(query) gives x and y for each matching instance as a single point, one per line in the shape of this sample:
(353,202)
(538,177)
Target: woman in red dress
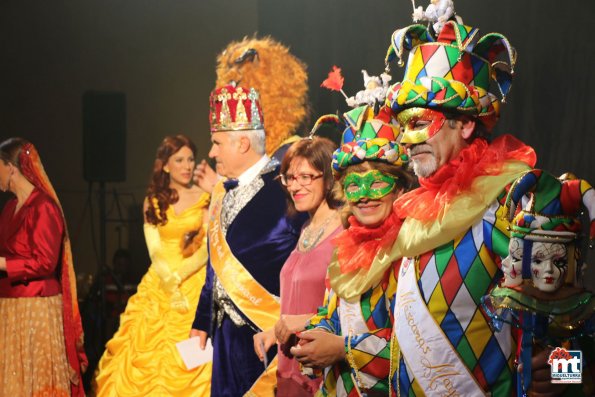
(40,331)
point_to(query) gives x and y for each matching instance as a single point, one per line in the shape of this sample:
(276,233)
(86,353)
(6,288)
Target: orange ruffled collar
(430,200)
(358,245)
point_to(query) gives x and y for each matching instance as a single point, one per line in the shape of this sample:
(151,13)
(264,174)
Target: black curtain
(550,105)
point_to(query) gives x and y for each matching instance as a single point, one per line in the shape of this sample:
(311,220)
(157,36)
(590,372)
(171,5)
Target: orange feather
(334,81)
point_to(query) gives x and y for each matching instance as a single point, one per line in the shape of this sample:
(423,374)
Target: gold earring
(166,170)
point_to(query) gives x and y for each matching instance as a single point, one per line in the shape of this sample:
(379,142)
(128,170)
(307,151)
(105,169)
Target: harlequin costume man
(454,233)
(250,237)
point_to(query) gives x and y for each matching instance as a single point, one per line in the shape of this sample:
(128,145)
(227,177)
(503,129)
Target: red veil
(32,169)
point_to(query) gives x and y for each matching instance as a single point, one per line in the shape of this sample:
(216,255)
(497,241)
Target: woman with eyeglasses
(350,336)
(308,180)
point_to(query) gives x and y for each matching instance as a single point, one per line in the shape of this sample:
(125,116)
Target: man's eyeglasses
(302,179)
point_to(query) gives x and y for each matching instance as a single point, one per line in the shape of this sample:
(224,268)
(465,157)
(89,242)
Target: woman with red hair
(141,359)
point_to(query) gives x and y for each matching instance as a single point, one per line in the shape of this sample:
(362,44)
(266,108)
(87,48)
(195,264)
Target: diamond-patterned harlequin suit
(452,279)
(457,256)
(370,348)
(453,234)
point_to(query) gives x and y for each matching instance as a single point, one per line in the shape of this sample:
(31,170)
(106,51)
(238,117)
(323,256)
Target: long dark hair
(10,151)
(159,190)
(318,152)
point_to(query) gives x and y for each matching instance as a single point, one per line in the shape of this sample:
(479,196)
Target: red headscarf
(32,169)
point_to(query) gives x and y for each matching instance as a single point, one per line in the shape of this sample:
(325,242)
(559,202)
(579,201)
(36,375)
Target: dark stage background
(161,55)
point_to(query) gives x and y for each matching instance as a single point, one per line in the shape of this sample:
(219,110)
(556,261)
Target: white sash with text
(436,366)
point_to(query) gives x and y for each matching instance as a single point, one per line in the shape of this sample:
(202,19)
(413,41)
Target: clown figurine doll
(540,293)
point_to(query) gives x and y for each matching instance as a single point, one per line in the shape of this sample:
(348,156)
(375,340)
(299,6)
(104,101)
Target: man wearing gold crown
(454,232)
(269,67)
(250,237)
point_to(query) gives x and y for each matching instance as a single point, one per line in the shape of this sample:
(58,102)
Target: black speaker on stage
(104,136)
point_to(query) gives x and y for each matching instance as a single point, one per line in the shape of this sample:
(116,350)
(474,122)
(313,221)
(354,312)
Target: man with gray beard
(454,233)
(428,156)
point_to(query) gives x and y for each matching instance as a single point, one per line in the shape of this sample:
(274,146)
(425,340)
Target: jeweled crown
(235,109)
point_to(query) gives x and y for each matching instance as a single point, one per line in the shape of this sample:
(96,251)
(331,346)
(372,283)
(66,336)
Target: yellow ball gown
(141,359)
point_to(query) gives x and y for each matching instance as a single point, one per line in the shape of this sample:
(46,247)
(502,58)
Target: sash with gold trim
(254,301)
(428,353)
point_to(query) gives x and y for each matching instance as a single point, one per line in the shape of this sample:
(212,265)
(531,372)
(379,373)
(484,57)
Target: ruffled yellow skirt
(141,359)
(34,360)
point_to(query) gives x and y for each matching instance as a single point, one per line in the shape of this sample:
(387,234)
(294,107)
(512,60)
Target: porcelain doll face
(512,265)
(549,265)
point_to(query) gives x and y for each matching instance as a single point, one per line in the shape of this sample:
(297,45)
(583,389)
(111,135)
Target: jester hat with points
(451,72)
(369,137)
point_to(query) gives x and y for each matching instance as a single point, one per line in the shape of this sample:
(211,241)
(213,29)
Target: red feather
(334,81)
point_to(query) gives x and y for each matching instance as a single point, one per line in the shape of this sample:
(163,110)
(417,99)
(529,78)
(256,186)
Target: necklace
(311,236)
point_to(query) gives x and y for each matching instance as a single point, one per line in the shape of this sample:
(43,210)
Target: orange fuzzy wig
(279,77)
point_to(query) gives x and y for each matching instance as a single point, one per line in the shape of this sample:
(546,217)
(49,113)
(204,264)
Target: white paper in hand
(191,353)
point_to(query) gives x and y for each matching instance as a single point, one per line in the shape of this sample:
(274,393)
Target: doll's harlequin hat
(369,137)
(451,72)
(235,109)
(554,207)
(553,211)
